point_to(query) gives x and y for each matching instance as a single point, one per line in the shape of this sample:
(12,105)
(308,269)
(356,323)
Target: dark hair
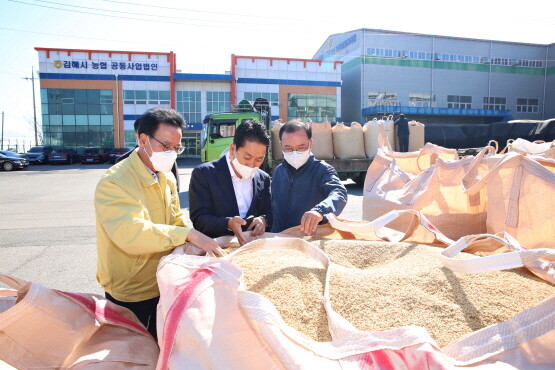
(250,130)
(148,123)
(294,126)
(137,124)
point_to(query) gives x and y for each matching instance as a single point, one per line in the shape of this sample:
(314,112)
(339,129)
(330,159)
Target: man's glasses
(169,149)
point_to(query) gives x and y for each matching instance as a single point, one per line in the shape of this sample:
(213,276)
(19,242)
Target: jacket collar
(140,169)
(300,169)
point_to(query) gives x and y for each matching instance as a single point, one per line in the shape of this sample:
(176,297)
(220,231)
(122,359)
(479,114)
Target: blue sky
(205,33)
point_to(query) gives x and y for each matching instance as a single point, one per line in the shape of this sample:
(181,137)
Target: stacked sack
(348,142)
(277,153)
(322,137)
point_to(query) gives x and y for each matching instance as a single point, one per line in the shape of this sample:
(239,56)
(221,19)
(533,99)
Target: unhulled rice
(379,286)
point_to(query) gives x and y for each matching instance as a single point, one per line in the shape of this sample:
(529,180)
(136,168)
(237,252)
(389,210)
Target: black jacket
(314,186)
(402,126)
(212,198)
(175,170)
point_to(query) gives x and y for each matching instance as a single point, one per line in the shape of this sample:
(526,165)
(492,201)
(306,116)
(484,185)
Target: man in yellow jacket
(139,218)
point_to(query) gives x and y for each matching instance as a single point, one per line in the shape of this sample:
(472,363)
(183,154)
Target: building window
(526,105)
(77,118)
(217,101)
(273,98)
(151,97)
(422,100)
(497,103)
(382,98)
(316,107)
(188,104)
(420,55)
(456,101)
(191,143)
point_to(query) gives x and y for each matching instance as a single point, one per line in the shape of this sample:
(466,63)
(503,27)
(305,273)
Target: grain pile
(380,286)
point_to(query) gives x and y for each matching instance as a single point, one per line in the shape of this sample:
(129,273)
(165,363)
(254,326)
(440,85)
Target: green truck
(220,128)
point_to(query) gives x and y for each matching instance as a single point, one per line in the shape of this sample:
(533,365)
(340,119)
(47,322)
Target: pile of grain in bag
(380,286)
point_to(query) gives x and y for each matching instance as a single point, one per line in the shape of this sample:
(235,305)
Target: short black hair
(148,123)
(137,124)
(294,126)
(250,130)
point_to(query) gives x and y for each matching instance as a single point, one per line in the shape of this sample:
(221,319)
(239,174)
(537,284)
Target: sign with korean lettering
(105,63)
(112,66)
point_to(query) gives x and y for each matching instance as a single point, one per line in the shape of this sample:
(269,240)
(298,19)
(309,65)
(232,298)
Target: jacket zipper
(289,196)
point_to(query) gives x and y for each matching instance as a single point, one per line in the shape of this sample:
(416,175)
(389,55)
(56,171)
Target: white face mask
(162,161)
(297,159)
(246,172)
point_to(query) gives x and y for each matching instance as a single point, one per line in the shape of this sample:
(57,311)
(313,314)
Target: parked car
(12,154)
(64,155)
(38,154)
(95,155)
(10,163)
(116,153)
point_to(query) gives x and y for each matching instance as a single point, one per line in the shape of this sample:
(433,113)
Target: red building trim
(109,52)
(233,85)
(173,67)
(289,60)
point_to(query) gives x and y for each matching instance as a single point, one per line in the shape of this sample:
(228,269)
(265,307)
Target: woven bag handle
(378,226)
(13,282)
(518,257)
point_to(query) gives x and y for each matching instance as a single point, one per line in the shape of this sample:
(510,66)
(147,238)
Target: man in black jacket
(403,133)
(175,170)
(231,195)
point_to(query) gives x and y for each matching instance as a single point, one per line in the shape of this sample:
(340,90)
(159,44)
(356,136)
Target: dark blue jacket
(212,198)
(313,187)
(402,126)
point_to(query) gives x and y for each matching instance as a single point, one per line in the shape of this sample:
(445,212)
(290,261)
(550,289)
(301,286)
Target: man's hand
(205,243)
(310,221)
(234,224)
(258,226)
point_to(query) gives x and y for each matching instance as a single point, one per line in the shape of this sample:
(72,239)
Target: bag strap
(378,226)
(519,256)
(13,282)
(494,142)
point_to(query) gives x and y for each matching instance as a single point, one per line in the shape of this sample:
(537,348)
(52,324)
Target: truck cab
(220,127)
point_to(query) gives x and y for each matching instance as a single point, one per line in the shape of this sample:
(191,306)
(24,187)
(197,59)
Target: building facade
(440,79)
(91,98)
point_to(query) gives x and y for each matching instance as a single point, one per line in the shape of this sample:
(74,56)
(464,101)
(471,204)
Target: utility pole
(2,130)
(34,106)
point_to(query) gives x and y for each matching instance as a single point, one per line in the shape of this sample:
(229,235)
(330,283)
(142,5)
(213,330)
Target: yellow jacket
(138,221)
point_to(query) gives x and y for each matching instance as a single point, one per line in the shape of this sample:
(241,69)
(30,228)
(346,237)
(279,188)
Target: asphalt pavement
(47,222)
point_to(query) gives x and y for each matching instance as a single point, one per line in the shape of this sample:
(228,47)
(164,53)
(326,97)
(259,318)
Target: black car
(64,156)
(95,155)
(10,163)
(116,153)
(12,154)
(38,154)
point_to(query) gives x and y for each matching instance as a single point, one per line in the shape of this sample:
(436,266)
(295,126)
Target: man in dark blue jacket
(231,195)
(403,133)
(304,189)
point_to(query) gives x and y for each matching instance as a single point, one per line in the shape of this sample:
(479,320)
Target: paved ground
(47,224)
